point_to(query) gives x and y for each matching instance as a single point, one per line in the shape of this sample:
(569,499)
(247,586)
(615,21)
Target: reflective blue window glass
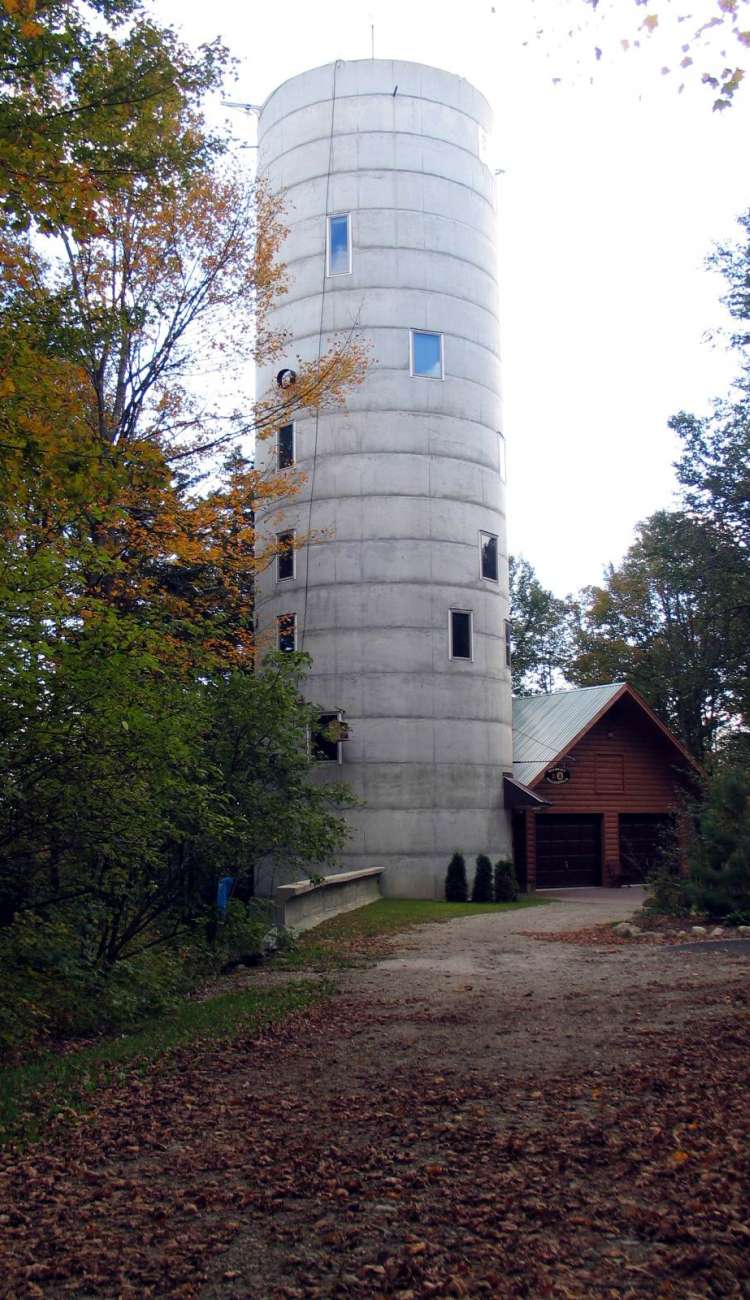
(427,354)
(338,245)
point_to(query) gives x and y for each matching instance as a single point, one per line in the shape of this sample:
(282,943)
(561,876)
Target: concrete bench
(303,904)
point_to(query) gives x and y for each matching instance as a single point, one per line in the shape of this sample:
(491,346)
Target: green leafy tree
(142,755)
(671,620)
(674,617)
(540,632)
(714,465)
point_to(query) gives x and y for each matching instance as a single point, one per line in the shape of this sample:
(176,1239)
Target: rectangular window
(502,458)
(488,548)
(325,741)
(286,629)
(461,634)
(426,354)
(507,643)
(339,251)
(285,555)
(285,446)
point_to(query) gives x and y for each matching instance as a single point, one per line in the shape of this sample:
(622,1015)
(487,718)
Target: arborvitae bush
(482,891)
(506,885)
(456,890)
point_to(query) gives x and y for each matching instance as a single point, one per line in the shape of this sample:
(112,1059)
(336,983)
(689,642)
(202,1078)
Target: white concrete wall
(407,475)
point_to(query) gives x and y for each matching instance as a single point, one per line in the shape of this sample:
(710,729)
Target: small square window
(325,741)
(502,457)
(286,629)
(285,556)
(488,551)
(460,634)
(507,642)
(339,249)
(426,354)
(285,446)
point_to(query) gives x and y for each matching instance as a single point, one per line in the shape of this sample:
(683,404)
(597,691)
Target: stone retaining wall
(302,905)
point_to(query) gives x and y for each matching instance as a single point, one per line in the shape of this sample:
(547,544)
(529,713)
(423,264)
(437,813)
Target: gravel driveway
(482,992)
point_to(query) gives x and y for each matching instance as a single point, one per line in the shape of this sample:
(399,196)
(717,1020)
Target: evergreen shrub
(719,855)
(666,892)
(506,884)
(482,891)
(456,889)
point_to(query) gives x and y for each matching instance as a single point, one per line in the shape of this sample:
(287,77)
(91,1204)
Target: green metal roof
(544,725)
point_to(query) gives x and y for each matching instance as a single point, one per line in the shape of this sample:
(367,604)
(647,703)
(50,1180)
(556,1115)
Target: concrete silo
(402,599)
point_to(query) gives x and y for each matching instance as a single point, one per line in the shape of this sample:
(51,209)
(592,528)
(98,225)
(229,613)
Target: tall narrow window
(286,630)
(488,551)
(502,458)
(507,643)
(339,251)
(326,738)
(285,555)
(426,354)
(460,634)
(285,446)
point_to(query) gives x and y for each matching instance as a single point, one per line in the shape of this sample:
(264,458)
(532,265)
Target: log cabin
(598,790)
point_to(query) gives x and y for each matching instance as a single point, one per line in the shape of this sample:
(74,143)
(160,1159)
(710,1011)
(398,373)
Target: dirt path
(482,1114)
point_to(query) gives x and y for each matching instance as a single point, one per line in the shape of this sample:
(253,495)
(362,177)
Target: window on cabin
(285,556)
(339,245)
(460,634)
(286,631)
(488,550)
(285,446)
(426,354)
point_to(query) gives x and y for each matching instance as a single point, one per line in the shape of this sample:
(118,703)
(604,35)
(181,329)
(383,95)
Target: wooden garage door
(568,851)
(644,838)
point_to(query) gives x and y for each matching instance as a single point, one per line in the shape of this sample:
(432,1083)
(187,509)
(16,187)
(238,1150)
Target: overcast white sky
(613,193)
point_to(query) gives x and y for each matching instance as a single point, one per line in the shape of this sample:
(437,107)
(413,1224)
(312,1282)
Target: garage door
(568,851)
(644,839)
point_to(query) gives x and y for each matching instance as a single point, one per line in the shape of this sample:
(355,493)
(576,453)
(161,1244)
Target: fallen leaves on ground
(596,936)
(306,1164)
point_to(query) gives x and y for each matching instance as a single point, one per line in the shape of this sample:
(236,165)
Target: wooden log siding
(623,764)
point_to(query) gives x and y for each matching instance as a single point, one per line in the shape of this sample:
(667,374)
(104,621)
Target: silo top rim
(407,64)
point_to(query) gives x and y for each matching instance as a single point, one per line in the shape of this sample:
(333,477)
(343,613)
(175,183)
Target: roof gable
(546,726)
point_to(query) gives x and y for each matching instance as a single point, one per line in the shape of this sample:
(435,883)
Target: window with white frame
(488,556)
(285,450)
(285,555)
(426,354)
(461,634)
(339,245)
(286,632)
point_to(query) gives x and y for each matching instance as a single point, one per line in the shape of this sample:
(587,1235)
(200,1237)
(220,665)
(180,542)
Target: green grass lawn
(355,937)
(52,1082)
